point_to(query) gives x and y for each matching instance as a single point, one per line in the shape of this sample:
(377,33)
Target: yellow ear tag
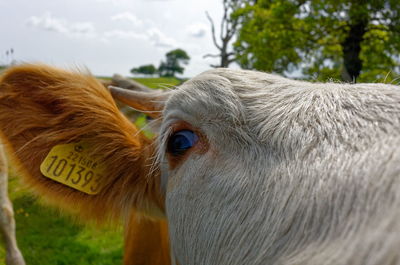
(73,165)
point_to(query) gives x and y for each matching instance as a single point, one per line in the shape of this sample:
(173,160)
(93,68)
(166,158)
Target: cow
(247,167)
(146,240)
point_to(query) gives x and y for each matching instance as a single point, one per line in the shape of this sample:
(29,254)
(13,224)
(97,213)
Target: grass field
(159,82)
(155,82)
(46,237)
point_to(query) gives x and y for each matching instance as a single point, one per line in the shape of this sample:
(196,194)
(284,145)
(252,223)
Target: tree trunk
(352,63)
(224,57)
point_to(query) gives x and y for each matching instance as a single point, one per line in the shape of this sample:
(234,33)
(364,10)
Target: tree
(228,28)
(173,62)
(147,69)
(352,40)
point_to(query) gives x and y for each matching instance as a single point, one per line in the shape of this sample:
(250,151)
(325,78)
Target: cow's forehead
(215,95)
(272,108)
(207,95)
(230,98)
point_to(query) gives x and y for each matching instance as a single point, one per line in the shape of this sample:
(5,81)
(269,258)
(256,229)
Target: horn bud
(151,103)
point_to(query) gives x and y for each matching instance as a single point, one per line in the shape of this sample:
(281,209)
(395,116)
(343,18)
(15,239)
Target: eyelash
(181,141)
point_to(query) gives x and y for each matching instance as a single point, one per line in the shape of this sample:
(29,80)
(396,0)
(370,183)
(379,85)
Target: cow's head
(260,169)
(248,167)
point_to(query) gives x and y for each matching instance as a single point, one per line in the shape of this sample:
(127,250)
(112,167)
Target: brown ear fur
(41,107)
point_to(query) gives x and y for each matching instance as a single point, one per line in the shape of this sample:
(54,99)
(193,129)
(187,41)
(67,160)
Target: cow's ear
(72,145)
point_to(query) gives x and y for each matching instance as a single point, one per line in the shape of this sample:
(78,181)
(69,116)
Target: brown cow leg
(7,222)
(146,242)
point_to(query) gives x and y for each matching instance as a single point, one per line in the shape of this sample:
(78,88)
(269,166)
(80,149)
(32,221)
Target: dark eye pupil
(181,141)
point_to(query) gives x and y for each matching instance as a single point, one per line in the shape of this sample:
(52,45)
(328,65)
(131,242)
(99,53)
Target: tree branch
(211,55)
(213,31)
(231,60)
(228,30)
(224,20)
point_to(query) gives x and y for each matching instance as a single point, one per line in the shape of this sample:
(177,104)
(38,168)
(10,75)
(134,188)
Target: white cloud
(152,35)
(47,22)
(124,34)
(82,28)
(127,16)
(159,39)
(145,30)
(50,23)
(197,30)
(86,29)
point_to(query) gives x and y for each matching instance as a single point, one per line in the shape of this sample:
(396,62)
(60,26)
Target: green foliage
(147,69)
(320,37)
(173,62)
(46,238)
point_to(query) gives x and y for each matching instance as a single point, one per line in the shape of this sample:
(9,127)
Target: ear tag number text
(73,165)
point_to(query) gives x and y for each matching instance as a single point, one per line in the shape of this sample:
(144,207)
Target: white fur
(295,173)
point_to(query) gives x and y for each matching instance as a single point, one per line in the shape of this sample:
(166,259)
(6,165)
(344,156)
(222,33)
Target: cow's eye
(181,141)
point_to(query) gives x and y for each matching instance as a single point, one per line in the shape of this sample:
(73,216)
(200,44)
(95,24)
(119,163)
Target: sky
(107,36)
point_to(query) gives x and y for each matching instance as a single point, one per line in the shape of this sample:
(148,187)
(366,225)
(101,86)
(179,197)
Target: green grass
(154,82)
(159,82)
(47,238)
